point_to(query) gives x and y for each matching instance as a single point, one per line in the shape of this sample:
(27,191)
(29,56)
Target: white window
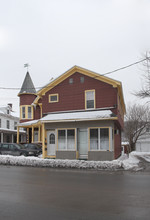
(15,125)
(66,139)
(8,124)
(90,99)
(53,98)
(99,139)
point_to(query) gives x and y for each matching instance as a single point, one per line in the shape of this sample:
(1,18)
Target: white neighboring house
(143,143)
(8,126)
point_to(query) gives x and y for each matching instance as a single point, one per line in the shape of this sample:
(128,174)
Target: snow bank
(55,163)
(124,162)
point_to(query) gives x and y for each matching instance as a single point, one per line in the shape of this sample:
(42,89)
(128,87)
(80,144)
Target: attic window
(82,79)
(71,81)
(53,98)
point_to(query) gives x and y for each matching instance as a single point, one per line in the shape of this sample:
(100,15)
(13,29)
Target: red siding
(27,99)
(117,143)
(72,96)
(37,113)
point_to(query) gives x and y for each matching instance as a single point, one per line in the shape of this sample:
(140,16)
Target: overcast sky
(54,35)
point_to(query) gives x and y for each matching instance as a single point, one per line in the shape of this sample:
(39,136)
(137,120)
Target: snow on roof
(72,116)
(28,123)
(75,116)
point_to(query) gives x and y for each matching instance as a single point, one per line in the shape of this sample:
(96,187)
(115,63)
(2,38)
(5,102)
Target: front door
(51,143)
(83,143)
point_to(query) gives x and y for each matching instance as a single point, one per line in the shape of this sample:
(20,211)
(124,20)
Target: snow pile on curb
(55,163)
(131,163)
(124,162)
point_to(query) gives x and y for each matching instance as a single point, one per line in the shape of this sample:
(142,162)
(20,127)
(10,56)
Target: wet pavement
(46,193)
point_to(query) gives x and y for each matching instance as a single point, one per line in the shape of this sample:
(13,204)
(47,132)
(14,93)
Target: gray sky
(54,35)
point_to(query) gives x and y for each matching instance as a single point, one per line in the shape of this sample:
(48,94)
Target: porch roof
(72,116)
(77,116)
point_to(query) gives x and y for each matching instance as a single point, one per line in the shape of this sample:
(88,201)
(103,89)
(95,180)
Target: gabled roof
(74,69)
(27,86)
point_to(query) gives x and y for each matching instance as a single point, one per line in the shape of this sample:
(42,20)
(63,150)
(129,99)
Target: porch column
(43,140)
(39,134)
(32,134)
(12,138)
(17,135)
(2,137)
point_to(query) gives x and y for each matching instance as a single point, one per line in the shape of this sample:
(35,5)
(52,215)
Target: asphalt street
(43,193)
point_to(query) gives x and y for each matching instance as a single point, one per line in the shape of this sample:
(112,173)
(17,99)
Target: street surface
(44,193)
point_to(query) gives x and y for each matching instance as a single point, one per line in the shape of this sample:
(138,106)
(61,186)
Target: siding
(72,96)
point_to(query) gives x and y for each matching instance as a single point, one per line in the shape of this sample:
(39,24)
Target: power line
(132,64)
(116,70)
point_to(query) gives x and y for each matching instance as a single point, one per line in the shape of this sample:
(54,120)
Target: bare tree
(136,121)
(144,92)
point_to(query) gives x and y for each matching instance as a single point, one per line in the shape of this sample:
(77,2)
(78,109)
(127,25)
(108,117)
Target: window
(99,139)
(26,112)
(15,125)
(29,112)
(53,98)
(66,139)
(82,79)
(71,81)
(7,124)
(23,112)
(52,139)
(89,99)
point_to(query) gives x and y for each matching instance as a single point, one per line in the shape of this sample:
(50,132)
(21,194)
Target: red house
(79,115)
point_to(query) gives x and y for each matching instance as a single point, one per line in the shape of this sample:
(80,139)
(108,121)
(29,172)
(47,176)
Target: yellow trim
(49,98)
(85,94)
(39,133)
(109,138)
(75,135)
(50,156)
(114,83)
(43,141)
(32,135)
(17,135)
(89,137)
(26,111)
(40,104)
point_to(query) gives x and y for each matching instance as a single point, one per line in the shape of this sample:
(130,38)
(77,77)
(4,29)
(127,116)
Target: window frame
(99,145)
(86,91)
(26,112)
(7,124)
(66,139)
(50,95)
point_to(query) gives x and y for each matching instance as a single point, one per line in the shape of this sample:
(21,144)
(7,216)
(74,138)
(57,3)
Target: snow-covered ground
(124,162)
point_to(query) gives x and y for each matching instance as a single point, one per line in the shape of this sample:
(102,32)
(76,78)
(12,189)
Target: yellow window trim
(89,148)
(75,147)
(85,92)
(53,95)
(26,111)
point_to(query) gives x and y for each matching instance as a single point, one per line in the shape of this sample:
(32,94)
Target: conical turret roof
(27,86)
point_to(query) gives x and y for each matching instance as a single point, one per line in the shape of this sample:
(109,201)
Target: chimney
(10,105)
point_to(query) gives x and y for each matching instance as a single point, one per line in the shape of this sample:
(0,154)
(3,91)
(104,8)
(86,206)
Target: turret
(27,95)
